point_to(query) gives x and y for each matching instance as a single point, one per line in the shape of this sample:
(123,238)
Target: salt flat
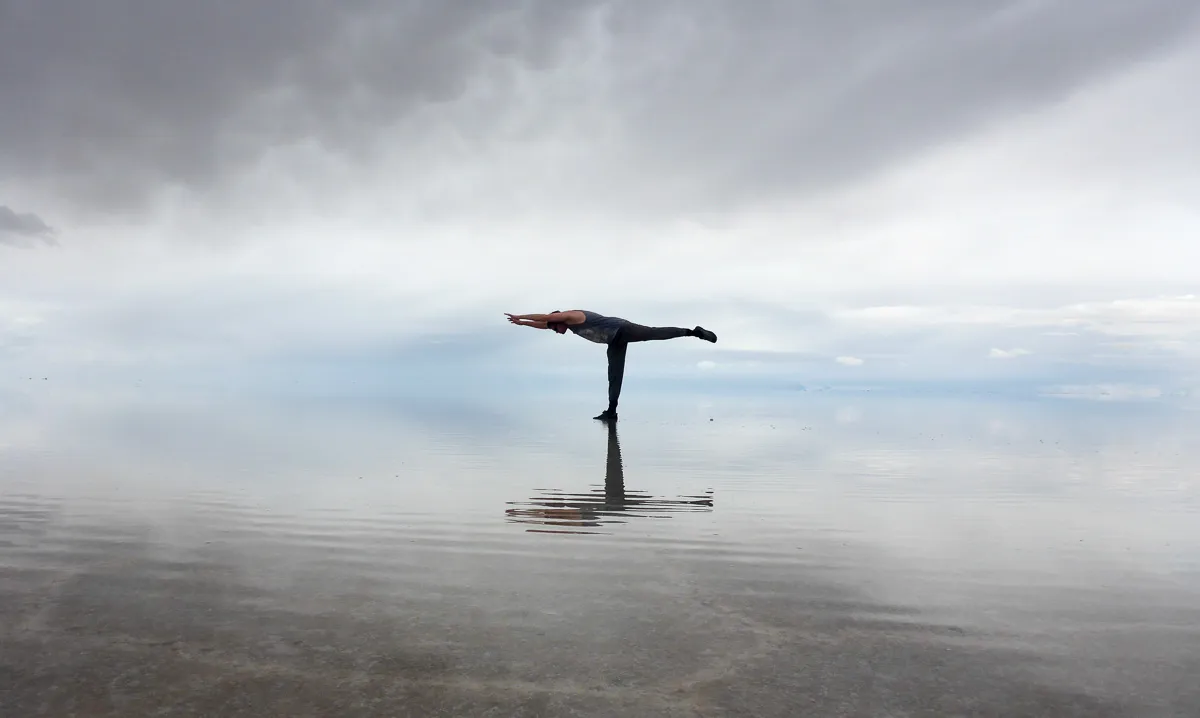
(780,556)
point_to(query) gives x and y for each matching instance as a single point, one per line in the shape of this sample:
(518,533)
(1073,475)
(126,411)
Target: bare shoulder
(572,316)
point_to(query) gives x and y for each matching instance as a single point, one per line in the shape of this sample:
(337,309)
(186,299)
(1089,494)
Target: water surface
(801,555)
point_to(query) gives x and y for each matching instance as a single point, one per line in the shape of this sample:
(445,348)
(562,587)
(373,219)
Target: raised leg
(639,333)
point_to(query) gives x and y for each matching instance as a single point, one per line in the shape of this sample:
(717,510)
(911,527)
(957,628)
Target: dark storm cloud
(747,98)
(21,228)
(106,99)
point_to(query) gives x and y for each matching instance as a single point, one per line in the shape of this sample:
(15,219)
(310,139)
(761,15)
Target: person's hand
(512,318)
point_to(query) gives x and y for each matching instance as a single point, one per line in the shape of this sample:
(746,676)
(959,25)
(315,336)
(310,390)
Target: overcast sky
(877,188)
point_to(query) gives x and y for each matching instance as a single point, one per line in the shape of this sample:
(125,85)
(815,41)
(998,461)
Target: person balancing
(616,332)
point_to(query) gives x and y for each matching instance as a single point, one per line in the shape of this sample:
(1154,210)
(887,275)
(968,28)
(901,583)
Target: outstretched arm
(521,321)
(564,317)
(529,323)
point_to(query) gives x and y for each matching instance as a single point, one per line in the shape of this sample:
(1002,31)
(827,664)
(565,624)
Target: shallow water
(803,555)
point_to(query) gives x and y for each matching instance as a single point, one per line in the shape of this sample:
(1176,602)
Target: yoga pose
(616,332)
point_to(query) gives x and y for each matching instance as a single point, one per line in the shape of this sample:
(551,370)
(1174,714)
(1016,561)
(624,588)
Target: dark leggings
(616,352)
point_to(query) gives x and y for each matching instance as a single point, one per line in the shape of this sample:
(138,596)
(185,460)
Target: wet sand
(619,588)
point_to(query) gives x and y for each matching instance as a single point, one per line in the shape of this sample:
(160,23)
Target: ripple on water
(553,511)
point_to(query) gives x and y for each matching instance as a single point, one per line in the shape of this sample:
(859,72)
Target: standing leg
(616,375)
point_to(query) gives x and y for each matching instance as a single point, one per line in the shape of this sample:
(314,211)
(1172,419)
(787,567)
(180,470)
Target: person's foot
(606,415)
(705,334)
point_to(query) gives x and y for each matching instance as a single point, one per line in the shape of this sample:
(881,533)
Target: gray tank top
(598,328)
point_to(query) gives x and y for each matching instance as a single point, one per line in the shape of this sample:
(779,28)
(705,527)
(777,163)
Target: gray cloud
(117,96)
(20,228)
(712,100)
(773,97)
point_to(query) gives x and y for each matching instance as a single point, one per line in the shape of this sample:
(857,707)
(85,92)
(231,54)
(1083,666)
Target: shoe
(606,415)
(705,334)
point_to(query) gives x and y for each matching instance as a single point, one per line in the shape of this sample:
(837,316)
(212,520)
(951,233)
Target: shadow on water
(574,512)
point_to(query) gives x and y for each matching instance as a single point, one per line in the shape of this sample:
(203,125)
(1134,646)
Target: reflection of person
(616,332)
(615,498)
(614,471)
(588,510)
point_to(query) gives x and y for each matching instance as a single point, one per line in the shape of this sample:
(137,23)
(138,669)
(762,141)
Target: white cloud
(849,361)
(706,365)
(848,415)
(1007,353)
(1127,317)
(1104,392)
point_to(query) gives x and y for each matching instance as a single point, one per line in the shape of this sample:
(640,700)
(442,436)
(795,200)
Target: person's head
(558,327)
